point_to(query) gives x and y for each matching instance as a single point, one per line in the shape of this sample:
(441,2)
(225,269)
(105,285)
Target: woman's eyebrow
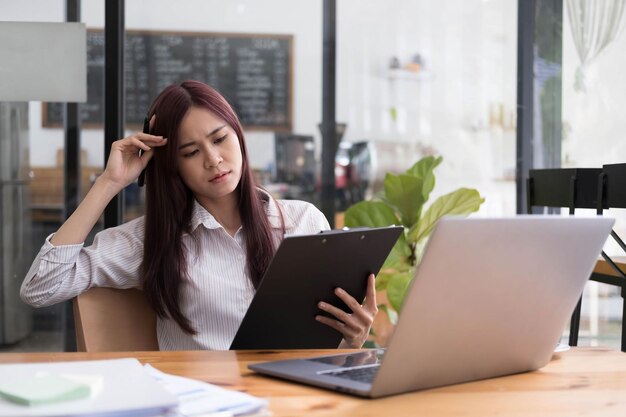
(216,130)
(208,136)
(186,144)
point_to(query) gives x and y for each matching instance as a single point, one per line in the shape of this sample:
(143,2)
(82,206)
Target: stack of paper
(197,398)
(115,388)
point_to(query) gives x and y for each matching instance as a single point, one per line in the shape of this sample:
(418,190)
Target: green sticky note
(45,389)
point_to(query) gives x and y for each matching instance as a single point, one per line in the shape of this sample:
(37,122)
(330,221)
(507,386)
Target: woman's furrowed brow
(214,131)
(185,145)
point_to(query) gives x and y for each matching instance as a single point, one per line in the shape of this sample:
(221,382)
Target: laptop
(491,297)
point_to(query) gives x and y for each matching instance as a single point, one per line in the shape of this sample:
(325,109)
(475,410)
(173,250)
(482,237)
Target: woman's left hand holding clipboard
(355,326)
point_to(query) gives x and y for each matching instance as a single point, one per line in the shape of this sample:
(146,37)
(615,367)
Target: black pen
(142,176)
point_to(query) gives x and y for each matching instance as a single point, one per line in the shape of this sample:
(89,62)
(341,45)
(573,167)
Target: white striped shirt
(216,296)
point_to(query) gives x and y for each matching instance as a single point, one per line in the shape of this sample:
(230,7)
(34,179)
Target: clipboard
(306,269)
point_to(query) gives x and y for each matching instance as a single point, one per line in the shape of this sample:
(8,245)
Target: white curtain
(595,24)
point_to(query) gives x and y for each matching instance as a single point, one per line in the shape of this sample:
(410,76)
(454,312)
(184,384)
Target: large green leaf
(424,169)
(459,202)
(405,193)
(396,288)
(370,214)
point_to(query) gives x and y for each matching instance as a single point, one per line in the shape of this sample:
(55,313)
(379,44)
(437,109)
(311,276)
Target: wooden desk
(582,381)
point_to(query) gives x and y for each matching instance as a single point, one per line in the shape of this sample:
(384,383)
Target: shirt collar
(201,216)
(274,212)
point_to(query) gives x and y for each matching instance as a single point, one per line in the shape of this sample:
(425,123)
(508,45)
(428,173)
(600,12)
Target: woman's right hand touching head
(125,162)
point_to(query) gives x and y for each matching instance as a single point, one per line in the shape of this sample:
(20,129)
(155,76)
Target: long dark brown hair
(169,203)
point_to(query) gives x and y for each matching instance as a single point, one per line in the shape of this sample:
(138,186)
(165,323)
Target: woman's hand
(355,327)
(125,162)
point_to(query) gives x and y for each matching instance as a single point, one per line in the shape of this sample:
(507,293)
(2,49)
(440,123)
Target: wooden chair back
(112,320)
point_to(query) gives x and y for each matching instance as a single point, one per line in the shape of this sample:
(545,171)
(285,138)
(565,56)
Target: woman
(208,235)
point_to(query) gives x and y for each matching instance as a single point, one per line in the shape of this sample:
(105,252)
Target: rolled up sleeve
(60,273)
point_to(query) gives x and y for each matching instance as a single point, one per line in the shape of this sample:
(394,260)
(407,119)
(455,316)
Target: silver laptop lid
(491,297)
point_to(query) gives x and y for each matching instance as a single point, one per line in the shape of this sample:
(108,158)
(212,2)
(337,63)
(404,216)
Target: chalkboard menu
(252,71)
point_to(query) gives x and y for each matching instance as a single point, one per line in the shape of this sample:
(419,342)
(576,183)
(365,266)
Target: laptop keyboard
(365,374)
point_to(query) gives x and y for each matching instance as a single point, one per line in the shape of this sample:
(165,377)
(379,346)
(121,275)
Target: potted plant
(402,203)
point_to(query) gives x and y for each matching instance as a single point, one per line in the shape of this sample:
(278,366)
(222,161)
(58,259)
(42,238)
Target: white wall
(469,48)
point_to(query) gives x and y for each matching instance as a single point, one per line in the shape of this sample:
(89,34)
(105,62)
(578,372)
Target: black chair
(564,187)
